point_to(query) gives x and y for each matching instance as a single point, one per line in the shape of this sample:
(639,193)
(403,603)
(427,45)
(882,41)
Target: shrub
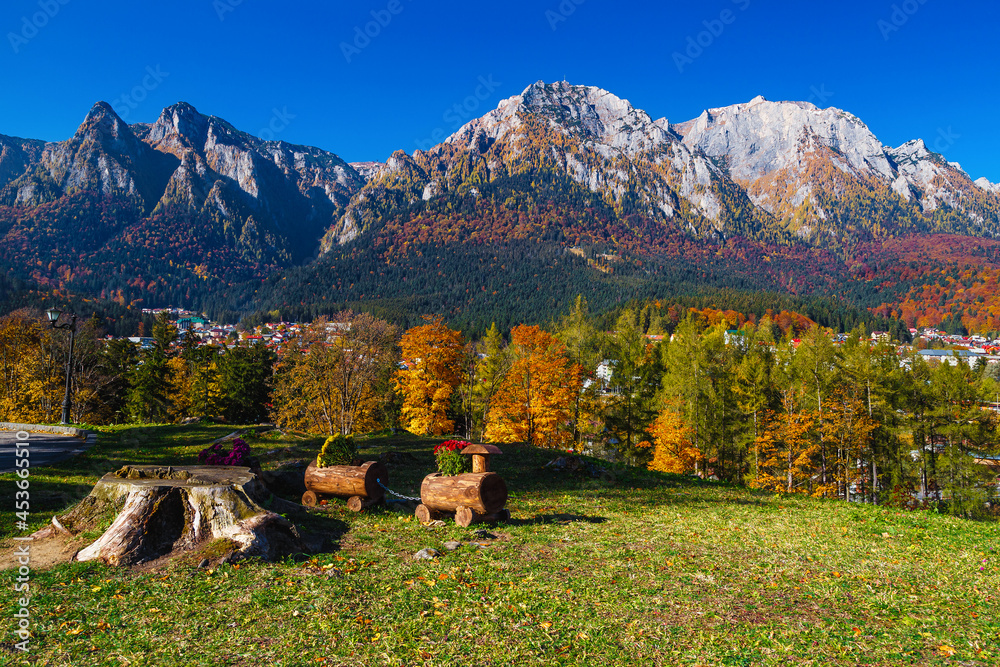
(450,460)
(338,450)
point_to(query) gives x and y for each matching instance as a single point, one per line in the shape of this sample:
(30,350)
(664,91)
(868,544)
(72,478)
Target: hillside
(620,566)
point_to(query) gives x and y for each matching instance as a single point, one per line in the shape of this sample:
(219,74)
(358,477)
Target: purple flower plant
(216,455)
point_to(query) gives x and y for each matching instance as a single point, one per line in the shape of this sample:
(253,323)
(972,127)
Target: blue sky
(909,69)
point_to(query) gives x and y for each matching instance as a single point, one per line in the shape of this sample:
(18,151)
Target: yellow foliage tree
(535,401)
(432,354)
(328,379)
(179,388)
(673,450)
(787,452)
(24,392)
(851,427)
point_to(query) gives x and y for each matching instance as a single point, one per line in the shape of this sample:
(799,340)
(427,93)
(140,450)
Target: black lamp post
(53,314)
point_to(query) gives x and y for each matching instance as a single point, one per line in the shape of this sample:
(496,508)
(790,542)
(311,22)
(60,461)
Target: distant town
(928,342)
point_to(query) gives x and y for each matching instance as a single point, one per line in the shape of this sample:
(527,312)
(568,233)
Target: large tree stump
(163,510)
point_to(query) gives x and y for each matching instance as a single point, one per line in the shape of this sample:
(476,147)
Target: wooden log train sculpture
(473,497)
(359,484)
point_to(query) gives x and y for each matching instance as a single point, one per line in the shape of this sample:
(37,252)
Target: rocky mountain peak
(984,184)
(178,127)
(761,137)
(911,151)
(103,124)
(589,113)
(596,114)
(400,168)
(100,112)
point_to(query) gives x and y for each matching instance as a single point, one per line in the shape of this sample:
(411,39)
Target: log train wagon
(362,485)
(473,497)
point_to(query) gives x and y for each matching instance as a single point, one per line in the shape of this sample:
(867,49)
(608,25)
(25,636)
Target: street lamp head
(53,314)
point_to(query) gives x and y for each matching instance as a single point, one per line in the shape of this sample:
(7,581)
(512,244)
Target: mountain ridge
(818,175)
(190,209)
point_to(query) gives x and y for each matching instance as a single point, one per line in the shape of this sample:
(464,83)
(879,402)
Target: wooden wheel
(465,517)
(424,513)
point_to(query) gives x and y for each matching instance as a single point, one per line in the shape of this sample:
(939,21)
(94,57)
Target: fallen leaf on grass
(946,650)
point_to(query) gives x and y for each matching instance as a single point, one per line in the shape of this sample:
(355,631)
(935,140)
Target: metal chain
(398,495)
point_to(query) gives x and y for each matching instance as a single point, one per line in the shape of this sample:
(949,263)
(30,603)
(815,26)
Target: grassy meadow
(629,567)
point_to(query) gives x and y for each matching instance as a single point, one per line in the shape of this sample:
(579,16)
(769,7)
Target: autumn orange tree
(851,428)
(788,452)
(673,450)
(535,401)
(432,355)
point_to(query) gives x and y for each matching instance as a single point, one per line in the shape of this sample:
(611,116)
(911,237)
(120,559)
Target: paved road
(45,448)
